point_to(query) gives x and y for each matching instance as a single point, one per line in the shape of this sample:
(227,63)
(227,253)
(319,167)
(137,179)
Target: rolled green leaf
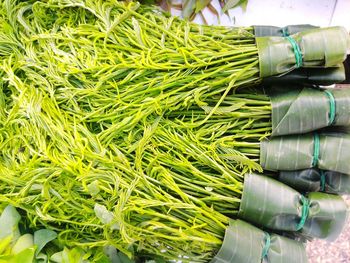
(319,48)
(296,152)
(315,76)
(236,249)
(262,31)
(272,204)
(310,180)
(296,111)
(327,216)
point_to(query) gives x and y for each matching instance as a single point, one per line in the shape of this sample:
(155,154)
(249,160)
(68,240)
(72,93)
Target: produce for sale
(121,126)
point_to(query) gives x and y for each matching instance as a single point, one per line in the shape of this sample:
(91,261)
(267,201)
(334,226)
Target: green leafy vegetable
(124,127)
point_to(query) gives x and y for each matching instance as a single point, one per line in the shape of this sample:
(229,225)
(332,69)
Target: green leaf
(93,188)
(112,253)
(9,223)
(104,259)
(75,255)
(188,8)
(124,258)
(25,256)
(23,242)
(105,216)
(5,245)
(234,3)
(42,237)
(201,4)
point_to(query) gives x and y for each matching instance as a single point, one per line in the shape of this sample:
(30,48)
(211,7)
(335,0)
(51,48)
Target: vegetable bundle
(117,128)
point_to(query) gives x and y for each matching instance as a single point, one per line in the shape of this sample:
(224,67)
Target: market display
(126,133)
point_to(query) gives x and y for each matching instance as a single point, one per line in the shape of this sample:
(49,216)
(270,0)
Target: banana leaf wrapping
(310,180)
(318,47)
(296,111)
(297,152)
(262,31)
(310,76)
(316,76)
(274,205)
(245,243)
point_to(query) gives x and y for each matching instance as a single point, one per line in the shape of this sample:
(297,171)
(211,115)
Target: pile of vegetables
(120,126)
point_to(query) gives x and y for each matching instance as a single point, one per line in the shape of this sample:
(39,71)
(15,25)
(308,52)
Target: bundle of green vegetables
(314,180)
(116,128)
(42,246)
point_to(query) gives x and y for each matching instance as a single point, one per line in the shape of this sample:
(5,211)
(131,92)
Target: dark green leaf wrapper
(296,152)
(262,31)
(296,111)
(244,243)
(274,205)
(316,76)
(309,180)
(310,76)
(325,47)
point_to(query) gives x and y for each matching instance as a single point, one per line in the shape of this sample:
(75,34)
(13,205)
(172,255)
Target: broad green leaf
(124,258)
(93,188)
(42,237)
(75,255)
(23,242)
(112,253)
(188,7)
(201,4)
(5,245)
(234,3)
(9,222)
(104,259)
(105,216)
(57,257)
(25,256)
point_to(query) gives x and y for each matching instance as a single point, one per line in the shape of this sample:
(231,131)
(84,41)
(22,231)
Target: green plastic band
(297,52)
(316,150)
(323,181)
(267,241)
(331,107)
(285,32)
(304,212)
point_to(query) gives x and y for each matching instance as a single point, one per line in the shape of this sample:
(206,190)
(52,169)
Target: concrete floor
(320,251)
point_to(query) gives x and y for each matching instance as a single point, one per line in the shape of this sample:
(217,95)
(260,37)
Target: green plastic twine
(331,107)
(316,150)
(267,241)
(297,52)
(323,181)
(285,32)
(304,212)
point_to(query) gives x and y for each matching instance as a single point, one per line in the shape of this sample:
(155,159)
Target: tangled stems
(112,104)
(168,184)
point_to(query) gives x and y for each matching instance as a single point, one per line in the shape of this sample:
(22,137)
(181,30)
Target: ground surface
(336,252)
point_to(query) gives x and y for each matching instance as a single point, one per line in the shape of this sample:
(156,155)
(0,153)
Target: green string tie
(304,212)
(285,32)
(331,107)
(297,52)
(267,241)
(316,150)
(323,181)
